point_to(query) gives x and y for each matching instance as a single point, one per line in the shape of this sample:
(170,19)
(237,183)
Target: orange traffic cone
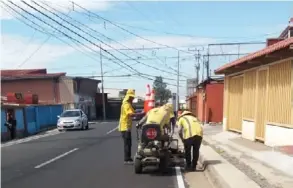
(151,104)
(147,98)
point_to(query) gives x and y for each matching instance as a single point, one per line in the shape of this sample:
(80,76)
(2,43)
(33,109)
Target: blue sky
(181,25)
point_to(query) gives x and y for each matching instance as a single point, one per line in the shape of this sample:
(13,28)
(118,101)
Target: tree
(162,93)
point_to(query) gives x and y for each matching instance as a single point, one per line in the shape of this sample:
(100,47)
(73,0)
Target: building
(56,88)
(35,81)
(258,93)
(207,101)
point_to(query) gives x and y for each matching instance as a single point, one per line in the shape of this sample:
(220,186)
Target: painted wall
(214,102)
(278,136)
(44,88)
(66,89)
(31,120)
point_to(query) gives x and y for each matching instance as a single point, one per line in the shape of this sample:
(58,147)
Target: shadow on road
(207,163)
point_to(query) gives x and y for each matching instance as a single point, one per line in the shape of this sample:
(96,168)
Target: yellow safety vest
(158,116)
(125,122)
(190,126)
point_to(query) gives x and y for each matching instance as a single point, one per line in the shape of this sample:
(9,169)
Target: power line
(112,40)
(140,74)
(72,32)
(156,68)
(46,33)
(100,17)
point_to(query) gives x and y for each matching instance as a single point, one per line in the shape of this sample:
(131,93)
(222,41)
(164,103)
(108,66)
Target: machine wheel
(137,166)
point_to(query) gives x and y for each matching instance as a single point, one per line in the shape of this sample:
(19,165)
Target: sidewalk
(267,167)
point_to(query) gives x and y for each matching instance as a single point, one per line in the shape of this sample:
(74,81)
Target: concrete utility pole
(177,95)
(197,64)
(102,82)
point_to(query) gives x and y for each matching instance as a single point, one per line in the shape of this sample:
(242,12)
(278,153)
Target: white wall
(225,128)
(278,136)
(248,130)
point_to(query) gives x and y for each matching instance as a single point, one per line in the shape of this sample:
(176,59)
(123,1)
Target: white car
(72,119)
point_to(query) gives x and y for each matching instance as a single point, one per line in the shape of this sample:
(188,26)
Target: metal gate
(262,80)
(234,122)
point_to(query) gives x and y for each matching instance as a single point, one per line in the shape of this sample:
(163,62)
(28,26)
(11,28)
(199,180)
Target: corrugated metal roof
(270,49)
(18,72)
(33,76)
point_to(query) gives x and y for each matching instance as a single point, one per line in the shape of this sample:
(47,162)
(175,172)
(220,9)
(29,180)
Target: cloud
(61,5)
(14,50)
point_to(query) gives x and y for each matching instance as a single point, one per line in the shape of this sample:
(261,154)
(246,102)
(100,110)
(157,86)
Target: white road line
(56,158)
(179,177)
(112,130)
(29,139)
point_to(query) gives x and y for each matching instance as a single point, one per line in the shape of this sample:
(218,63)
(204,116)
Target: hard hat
(130,93)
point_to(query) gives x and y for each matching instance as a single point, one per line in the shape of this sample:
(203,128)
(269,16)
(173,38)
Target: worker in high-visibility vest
(162,116)
(191,133)
(125,124)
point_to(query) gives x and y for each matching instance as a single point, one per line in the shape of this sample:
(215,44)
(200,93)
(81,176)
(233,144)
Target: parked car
(139,113)
(72,119)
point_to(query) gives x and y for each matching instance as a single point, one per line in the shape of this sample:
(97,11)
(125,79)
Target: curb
(211,173)
(221,173)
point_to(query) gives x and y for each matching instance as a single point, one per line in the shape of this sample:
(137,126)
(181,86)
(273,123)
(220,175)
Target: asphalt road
(78,159)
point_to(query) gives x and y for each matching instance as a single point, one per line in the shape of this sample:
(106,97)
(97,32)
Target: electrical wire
(100,17)
(155,68)
(139,74)
(46,33)
(67,34)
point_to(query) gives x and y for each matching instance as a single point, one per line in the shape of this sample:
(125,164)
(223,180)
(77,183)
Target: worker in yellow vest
(161,116)
(125,124)
(191,133)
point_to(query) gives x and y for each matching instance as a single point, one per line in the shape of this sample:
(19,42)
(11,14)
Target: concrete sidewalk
(266,166)
(220,172)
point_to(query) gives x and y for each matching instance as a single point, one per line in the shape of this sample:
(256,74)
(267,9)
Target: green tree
(162,93)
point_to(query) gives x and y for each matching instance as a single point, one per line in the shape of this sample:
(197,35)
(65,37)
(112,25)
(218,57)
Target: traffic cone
(147,98)
(151,103)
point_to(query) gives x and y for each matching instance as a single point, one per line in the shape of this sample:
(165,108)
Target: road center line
(56,158)
(112,130)
(179,177)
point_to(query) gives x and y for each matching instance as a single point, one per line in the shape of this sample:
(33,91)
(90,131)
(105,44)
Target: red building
(207,102)
(33,81)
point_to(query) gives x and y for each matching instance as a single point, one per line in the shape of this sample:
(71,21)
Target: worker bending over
(191,132)
(161,116)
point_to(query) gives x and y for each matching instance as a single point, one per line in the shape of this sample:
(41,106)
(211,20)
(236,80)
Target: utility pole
(197,64)
(102,80)
(177,95)
(208,63)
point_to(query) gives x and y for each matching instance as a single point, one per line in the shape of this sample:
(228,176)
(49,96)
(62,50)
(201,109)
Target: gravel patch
(247,170)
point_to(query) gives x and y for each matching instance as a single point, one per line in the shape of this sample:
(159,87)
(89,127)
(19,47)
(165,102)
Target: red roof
(28,73)
(18,72)
(270,49)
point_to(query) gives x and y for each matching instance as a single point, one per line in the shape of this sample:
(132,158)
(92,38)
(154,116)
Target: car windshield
(70,114)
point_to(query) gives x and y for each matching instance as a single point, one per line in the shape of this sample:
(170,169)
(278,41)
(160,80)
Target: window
(71,114)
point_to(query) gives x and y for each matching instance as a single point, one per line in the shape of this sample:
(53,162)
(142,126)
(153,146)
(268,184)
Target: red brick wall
(214,102)
(43,88)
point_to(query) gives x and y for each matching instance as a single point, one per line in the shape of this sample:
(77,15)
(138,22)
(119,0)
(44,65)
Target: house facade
(207,102)
(258,94)
(56,88)
(34,81)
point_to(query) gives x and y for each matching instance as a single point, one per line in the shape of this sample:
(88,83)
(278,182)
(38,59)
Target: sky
(140,40)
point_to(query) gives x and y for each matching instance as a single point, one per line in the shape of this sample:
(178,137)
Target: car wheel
(82,127)
(87,125)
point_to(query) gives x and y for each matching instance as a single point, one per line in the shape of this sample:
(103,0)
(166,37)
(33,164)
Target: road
(79,159)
